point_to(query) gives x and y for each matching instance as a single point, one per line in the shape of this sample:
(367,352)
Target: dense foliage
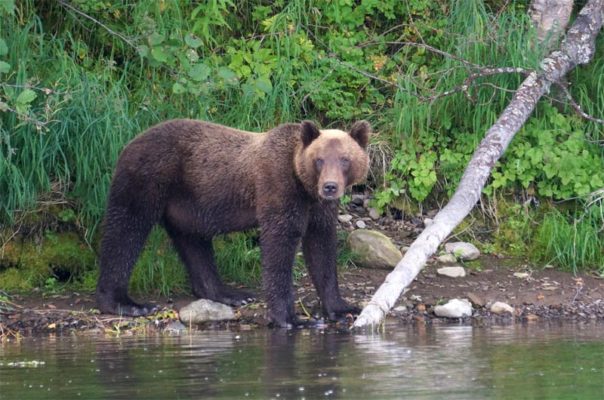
(80,78)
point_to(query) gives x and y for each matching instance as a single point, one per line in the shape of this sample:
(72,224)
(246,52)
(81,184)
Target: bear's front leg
(319,246)
(280,234)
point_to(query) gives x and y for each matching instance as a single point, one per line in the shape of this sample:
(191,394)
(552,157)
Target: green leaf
(143,50)
(193,41)
(4,67)
(26,97)
(156,39)
(228,75)
(159,54)
(3,47)
(264,85)
(178,88)
(199,72)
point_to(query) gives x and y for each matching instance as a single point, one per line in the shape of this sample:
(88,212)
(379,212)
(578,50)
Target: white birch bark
(550,17)
(577,48)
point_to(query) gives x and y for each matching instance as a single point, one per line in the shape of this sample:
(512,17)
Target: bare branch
(96,21)
(575,105)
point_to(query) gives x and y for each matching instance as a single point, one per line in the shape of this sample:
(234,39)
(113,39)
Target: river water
(535,361)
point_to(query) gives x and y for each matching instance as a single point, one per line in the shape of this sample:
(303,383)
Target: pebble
(521,275)
(447,258)
(500,307)
(452,272)
(204,310)
(455,308)
(357,199)
(400,309)
(475,299)
(344,218)
(463,250)
(428,222)
(361,224)
(374,214)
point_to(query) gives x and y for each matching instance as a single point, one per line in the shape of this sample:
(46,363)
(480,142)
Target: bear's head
(327,161)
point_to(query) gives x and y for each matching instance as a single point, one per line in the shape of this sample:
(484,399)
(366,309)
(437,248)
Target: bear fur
(200,179)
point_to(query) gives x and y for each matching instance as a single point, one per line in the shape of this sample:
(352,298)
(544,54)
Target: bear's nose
(330,189)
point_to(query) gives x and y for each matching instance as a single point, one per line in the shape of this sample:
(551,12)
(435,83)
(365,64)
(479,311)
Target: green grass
(575,242)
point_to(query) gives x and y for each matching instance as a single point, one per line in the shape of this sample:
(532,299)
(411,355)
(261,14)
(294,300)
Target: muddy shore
(536,295)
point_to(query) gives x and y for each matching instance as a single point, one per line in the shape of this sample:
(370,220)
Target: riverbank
(535,295)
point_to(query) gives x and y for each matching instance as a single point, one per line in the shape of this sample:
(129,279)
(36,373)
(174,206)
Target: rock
(175,327)
(400,309)
(452,272)
(521,275)
(475,299)
(447,258)
(463,250)
(344,218)
(204,310)
(361,224)
(374,214)
(455,308)
(501,308)
(428,222)
(357,199)
(373,249)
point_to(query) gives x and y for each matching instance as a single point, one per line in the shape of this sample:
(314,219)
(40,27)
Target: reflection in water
(534,361)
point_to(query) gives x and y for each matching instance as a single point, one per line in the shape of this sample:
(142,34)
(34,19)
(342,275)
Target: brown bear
(200,179)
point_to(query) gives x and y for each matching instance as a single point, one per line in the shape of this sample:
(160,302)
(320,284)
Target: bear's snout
(330,190)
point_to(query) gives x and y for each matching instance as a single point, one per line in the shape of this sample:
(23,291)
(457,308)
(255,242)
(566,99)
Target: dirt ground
(535,294)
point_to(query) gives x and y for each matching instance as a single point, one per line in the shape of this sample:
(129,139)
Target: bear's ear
(309,132)
(360,132)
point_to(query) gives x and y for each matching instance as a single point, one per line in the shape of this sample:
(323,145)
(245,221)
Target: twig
(577,107)
(96,21)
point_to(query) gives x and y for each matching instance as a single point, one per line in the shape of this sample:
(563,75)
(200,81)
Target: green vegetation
(80,78)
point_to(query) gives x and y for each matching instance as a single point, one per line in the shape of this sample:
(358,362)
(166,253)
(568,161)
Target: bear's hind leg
(123,238)
(198,256)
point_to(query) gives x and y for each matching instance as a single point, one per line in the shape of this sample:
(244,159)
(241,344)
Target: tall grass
(574,242)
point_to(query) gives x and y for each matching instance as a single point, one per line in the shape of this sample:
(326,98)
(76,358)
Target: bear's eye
(319,163)
(344,162)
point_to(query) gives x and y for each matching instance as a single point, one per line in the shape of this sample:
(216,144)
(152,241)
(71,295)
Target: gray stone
(476,299)
(374,214)
(373,249)
(446,258)
(463,250)
(501,308)
(344,218)
(204,310)
(357,199)
(400,309)
(361,224)
(428,222)
(175,327)
(452,272)
(455,308)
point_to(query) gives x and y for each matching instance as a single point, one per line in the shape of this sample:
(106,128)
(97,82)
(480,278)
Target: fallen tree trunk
(577,48)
